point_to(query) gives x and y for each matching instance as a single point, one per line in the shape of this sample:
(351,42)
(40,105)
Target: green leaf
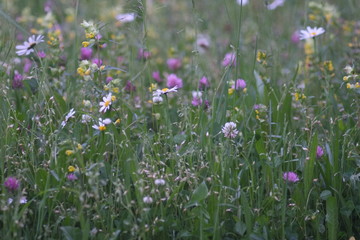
(200,193)
(71,233)
(240,228)
(324,195)
(40,178)
(309,166)
(332,218)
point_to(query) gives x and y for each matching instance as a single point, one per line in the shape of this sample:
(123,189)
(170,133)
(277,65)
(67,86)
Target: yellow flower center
(107,103)
(102,128)
(165,89)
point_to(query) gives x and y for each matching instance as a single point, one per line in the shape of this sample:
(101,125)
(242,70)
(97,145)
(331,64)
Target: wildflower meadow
(180,119)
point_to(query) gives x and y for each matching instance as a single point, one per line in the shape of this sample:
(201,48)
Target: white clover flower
(147,199)
(311,32)
(229,130)
(159,182)
(28,46)
(126,17)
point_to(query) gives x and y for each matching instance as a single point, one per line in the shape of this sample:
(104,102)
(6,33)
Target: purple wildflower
(239,84)
(204,83)
(229,59)
(319,152)
(156,77)
(85,53)
(17,81)
(290,177)
(11,183)
(71,177)
(173,80)
(129,87)
(174,63)
(97,61)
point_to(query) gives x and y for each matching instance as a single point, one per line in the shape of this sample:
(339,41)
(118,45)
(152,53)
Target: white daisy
(229,130)
(311,32)
(28,46)
(105,104)
(102,124)
(126,17)
(159,92)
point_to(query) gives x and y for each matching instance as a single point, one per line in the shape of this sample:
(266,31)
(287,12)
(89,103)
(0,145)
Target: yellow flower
(299,96)
(115,90)
(71,169)
(118,121)
(260,56)
(231,91)
(85,43)
(69,152)
(90,35)
(329,66)
(80,71)
(152,87)
(79,146)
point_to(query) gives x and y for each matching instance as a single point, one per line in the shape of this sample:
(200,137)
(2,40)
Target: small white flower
(159,181)
(311,32)
(28,46)
(85,118)
(10,200)
(159,92)
(348,69)
(126,17)
(148,199)
(105,104)
(203,42)
(229,130)
(275,4)
(67,117)
(23,200)
(157,99)
(242,2)
(196,94)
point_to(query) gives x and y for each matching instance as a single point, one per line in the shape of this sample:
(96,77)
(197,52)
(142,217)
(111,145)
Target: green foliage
(142,169)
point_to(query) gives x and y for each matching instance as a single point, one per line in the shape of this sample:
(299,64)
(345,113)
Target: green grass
(215,187)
